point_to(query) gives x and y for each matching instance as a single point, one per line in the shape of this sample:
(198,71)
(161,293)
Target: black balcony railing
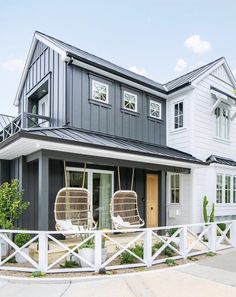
(24,120)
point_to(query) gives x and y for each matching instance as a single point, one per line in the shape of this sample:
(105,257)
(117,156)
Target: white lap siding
(179,213)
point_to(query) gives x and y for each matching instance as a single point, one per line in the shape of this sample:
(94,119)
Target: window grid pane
(178,115)
(100,91)
(227,189)
(219,188)
(175,188)
(155,109)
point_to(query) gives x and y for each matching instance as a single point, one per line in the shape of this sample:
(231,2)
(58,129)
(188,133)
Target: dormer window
(222,122)
(100,91)
(130,101)
(179,115)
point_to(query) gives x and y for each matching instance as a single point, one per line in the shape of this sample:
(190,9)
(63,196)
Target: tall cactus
(205,215)
(205,202)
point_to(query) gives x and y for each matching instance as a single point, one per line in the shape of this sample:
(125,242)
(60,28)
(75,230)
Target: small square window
(155,109)
(130,101)
(99,91)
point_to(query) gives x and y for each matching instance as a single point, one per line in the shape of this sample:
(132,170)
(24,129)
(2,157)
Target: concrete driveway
(214,277)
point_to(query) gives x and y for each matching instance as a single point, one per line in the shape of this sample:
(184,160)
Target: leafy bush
(167,251)
(222,226)
(127,258)
(22,238)
(11,204)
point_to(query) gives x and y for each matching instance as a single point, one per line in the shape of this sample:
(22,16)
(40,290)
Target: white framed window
(100,91)
(225,189)
(179,115)
(130,101)
(222,122)
(219,188)
(175,188)
(155,109)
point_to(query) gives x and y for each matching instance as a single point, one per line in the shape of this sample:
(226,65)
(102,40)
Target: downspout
(67,61)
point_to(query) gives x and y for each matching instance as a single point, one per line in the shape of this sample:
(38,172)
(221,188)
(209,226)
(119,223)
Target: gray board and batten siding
(71,100)
(46,64)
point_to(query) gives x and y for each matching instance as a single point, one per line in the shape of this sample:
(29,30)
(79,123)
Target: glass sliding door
(100,185)
(102,192)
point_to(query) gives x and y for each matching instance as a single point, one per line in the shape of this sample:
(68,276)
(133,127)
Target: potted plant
(11,208)
(20,240)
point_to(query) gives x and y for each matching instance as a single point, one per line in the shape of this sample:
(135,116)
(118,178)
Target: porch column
(162,200)
(43,203)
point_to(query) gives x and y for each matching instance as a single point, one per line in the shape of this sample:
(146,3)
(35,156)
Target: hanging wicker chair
(124,208)
(72,208)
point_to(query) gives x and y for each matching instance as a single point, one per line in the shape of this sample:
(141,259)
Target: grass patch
(38,274)
(210,254)
(70,264)
(170,262)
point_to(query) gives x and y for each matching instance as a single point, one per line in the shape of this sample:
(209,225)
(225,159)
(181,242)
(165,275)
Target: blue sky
(161,39)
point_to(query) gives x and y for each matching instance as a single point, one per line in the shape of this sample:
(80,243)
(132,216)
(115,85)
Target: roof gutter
(82,62)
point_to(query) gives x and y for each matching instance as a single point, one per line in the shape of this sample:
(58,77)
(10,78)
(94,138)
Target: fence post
(147,249)
(98,251)
(233,234)
(43,251)
(183,245)
(212,236)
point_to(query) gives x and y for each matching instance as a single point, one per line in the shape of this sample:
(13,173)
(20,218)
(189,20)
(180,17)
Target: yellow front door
(152,200)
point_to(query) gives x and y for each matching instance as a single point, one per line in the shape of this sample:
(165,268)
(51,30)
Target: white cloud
(138,70)
(13,65)
(234,72)
(197,45)
(181,65)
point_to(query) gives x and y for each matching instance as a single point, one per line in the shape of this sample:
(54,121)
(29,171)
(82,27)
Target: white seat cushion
(119,221)
(67,225)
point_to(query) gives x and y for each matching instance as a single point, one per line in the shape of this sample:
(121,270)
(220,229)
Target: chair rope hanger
(72,208)
(124,207)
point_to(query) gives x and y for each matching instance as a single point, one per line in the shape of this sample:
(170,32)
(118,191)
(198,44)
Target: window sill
(133,113)
(155,119)
(222,140)
(99,103)
(226,204)
(179,130)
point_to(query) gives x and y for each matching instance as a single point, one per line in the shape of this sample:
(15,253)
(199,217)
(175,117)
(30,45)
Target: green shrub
(127,258)
(205,215)
(222,226)
(22,238)
(167,251)
(11,204)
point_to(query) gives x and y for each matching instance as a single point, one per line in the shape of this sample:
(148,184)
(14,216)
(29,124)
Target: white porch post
(212,232)
(184,242)
(43,252)
(233,234)
(98,250)
(148,247)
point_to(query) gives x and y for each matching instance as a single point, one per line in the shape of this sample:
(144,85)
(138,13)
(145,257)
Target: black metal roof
(5,120)
(187,78)
(92,139)
(166,88)
(220,160)
(90,58)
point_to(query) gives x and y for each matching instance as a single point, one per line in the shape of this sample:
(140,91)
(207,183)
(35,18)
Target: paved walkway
(213,277)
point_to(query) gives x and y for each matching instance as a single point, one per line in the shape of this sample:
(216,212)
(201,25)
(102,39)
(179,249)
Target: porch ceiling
(86,143)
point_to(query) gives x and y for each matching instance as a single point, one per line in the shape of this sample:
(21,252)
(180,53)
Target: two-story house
(76,109)
(201,122)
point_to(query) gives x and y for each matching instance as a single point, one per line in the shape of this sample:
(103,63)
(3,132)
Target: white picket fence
(48,253)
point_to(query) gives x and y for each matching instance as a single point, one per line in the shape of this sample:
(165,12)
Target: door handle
(151,208)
